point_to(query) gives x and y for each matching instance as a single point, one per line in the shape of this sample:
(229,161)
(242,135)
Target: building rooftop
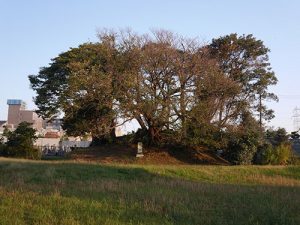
(16,102)
(2,122)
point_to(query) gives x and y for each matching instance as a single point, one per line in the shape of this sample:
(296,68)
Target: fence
(63,147)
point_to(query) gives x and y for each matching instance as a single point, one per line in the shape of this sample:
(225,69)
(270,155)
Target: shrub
(3,150)
(263,153)
(204,135)
(268,156)
(244,140)
(295,160)
(26,152)
(283,154)
(277,137)
(242,148)
(279,155)
(20,142)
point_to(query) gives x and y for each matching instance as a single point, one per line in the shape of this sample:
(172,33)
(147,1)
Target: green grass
(62,192)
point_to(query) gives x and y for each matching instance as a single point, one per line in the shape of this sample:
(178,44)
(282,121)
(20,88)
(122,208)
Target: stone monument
(140,150)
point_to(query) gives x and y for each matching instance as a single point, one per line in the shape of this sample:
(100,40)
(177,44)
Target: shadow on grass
(135,195)
(197,157)
(127,154)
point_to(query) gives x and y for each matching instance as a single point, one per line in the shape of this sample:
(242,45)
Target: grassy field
(64,192)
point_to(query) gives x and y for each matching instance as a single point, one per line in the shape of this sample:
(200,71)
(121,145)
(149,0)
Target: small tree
(276,150)
(243,143)
(295,135)
(20,142)
(277,137)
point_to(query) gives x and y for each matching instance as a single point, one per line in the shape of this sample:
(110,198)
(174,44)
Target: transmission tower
(296,119)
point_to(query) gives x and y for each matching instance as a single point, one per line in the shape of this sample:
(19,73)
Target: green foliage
(276,137)
(68,85)
(295,160)
(277,149)
(242,148)
(28,152)
(3,149)
(261,155)
(202,134)
(177,90)
(295,135)
(279,155)
(245,60)
(283,154)
(2,146)
(20,142)
(243,143)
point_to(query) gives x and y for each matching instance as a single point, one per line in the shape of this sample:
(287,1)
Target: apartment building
(18,113)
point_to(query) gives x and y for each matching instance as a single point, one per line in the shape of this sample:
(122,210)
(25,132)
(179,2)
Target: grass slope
(158,156)
(86,193)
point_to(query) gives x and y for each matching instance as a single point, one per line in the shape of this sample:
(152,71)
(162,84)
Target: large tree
(167,83)
(79,84)
(245,60)
(163,74)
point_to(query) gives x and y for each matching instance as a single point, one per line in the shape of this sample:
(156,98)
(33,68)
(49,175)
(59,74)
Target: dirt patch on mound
(127,155)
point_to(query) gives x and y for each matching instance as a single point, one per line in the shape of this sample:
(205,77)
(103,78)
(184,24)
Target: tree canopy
(20,142)
(178,89)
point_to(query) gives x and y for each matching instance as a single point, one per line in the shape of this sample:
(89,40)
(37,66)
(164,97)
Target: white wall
(79,144)
(56,142)
(47,142)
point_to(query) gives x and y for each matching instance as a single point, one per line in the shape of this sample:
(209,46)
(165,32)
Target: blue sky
(34,31)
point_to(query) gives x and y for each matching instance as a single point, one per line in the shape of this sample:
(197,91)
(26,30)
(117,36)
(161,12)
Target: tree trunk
(183,112)
(141,122)
(260,111)
(152,135)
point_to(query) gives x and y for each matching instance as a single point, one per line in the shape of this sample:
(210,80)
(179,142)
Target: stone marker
(139,150)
